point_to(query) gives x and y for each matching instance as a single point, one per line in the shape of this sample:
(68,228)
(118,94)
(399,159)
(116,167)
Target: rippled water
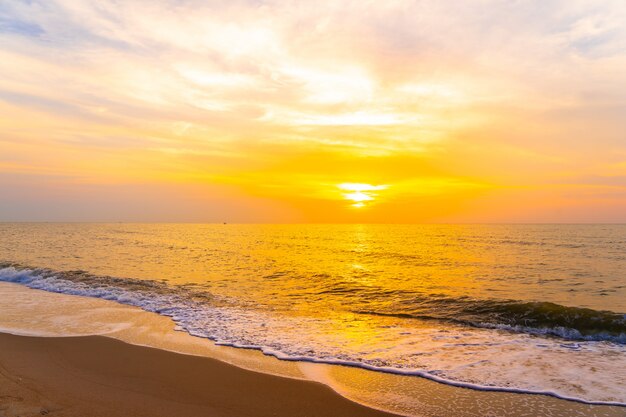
(526,307)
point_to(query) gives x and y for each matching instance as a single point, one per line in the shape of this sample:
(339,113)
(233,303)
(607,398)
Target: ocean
(522,308)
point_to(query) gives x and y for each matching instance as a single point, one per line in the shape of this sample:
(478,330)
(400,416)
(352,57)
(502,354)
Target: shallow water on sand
(38,313)
(533,308)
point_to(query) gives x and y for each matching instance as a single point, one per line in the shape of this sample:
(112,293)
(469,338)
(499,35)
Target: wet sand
(58,367)
(99,376)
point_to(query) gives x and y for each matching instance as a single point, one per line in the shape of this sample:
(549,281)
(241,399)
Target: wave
(538,317)
(203,314)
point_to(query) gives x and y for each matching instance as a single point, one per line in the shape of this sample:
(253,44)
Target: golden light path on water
(400,297)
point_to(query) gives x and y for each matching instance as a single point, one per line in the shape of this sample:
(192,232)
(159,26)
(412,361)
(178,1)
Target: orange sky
(325,111)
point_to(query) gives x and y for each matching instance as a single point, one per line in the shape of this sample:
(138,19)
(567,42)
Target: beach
(313,208)
(100,376)
(78,356)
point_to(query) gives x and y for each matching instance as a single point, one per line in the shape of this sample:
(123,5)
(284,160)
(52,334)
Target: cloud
(7,25)
(225,91)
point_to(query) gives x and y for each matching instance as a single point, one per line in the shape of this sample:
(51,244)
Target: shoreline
(504,386)
(43,317)
(101,376)
(426,376)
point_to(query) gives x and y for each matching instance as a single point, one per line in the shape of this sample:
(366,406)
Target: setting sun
(395,208)
(360,194)
(203,112)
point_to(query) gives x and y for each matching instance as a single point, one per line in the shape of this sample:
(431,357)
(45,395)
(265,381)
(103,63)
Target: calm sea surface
(536,308)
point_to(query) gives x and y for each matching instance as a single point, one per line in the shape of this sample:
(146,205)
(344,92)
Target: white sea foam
(487,359)
(560,331)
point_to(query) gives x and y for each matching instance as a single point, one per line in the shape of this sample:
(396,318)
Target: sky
(313,111)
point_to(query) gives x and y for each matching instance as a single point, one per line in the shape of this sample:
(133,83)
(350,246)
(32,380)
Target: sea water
(528,308)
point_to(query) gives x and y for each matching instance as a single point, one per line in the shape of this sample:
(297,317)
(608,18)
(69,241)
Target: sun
(360,194)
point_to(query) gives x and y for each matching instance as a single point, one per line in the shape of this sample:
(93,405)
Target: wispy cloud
(253,92)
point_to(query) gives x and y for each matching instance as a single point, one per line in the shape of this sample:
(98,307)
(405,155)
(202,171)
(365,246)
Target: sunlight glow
(361,118)
(299,111)
(360,193)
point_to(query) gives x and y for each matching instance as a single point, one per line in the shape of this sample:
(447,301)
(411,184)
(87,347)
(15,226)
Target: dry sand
(99,376)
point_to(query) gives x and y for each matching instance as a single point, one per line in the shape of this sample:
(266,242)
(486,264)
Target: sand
(84,375)
(98,376)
